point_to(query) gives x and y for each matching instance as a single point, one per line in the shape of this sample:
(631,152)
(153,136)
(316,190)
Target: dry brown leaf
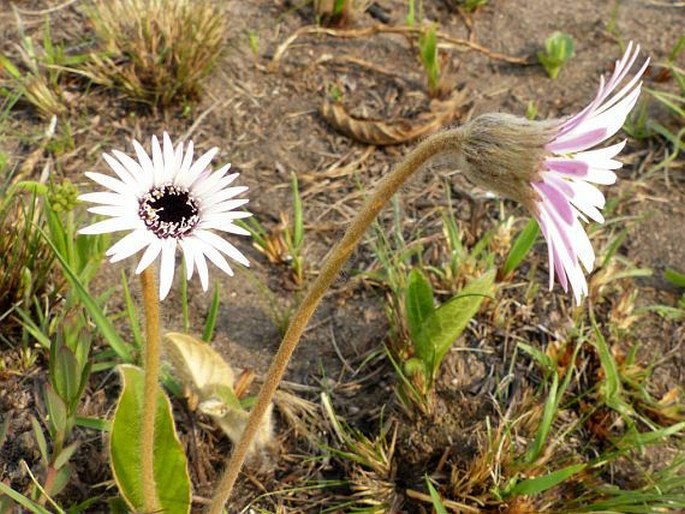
(382,133)
(206,374)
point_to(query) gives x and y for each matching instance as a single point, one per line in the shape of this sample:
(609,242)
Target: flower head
(551,167)
(166,202)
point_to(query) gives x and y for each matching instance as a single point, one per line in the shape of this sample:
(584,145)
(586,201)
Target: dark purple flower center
(169,211)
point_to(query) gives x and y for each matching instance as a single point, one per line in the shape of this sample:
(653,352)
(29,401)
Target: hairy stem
(448,142)
(151,303)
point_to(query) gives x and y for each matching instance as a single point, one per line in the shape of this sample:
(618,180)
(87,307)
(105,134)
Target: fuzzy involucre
(504,153)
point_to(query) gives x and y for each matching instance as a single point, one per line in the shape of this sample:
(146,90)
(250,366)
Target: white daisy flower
(168,202)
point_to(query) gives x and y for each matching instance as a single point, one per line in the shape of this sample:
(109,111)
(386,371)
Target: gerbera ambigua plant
(548,166)
(166,202)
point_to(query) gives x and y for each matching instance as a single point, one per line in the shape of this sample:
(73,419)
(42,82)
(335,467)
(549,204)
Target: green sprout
(472,5)
(428,51)
(559,49)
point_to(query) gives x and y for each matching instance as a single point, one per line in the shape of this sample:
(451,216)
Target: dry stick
(448,142)
(151,303)
(383,29)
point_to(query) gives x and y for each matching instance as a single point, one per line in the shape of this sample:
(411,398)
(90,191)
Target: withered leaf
(382,133)
(211,378)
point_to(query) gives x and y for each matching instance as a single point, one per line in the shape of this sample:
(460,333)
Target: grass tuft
(155,51)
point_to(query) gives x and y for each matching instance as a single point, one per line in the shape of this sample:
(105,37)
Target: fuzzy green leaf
(40,440)
(449,320)
(57,410)
(418,305)
(170,469)
(66,375)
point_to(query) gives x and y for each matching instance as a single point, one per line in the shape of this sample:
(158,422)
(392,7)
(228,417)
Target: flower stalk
(445,143)
(152,343)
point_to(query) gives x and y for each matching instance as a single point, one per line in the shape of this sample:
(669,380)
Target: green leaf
(675,277)
(524,242)
(210,323)
(65,455)
(418,303)
(10,68)
(104,325)
(449,320)
(57,410)
(541,357)
(66,374)
(40,440)
(538,485)
(103,425)
(170,469)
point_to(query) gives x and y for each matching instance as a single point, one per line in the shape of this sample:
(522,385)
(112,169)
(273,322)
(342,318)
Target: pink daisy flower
(566,191)
(552,167)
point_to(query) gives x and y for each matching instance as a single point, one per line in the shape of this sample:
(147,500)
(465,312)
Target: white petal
(112,225)
(228,205)
(602,157)
(111,183)
(169,158)
(113,211)
(224,226)
(222,245)
(146,166)
(223,194)
(166,267)
(140,175)
(188,255)
(106,198)
(566,257)
(129,244)
(208,182)
(157,162)
(201,265)
(218,259)
(543,223)
(600,176)
(150,255)
(202,163)
(122,172)
(183,178)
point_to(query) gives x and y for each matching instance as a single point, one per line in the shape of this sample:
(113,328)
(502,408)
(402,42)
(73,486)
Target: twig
(382,29)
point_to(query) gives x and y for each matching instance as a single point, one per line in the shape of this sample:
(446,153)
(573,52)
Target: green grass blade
(548,415)
(435,498)
(105,327)
(675,277)
(22,500)
(210,324)
(541,484)
(132,313)
(523,244)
